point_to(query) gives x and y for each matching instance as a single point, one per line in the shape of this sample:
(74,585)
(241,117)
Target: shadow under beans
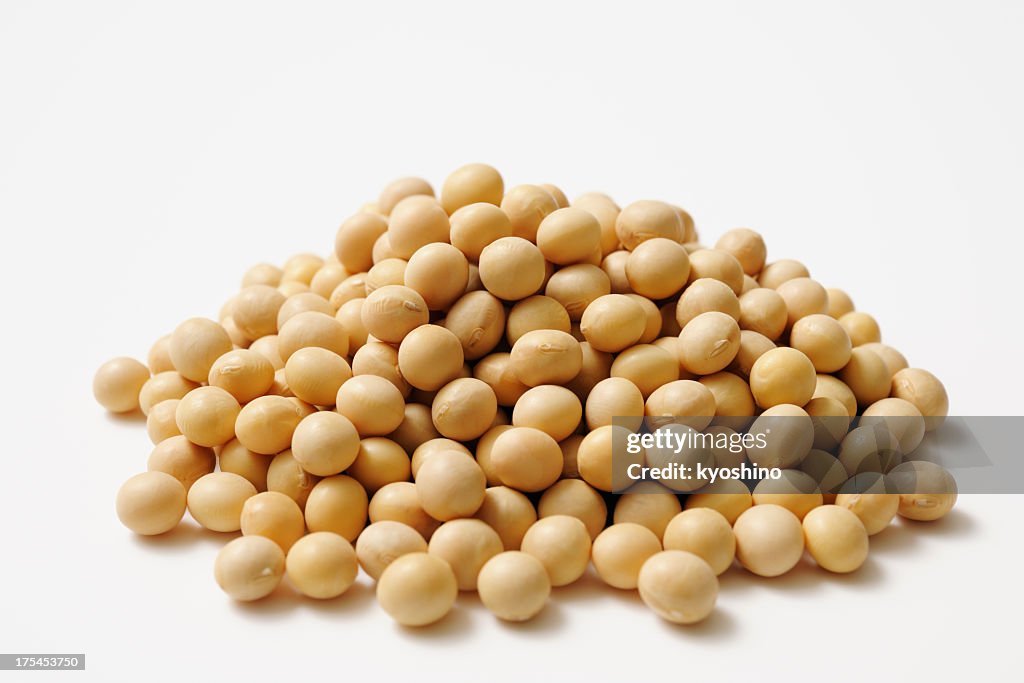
(455,626)
(805,577)
(186,534)
(719,624)
(281,601)
(957,523)
(358,598)
(134,417)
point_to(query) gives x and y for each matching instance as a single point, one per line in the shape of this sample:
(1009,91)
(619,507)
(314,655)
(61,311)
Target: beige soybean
(352,287)
(602,207)
(399,189)
(594,458)
(194,345)
(769,540)
(782,375)
(835,538)
(478,320)
(182,459)
(576,287)
(831,421)
(597,365)
(416,221)
(546,357)
(679,586)
(471,184)
(301,268)
(717,265)
(392,311)
(417,589)
(160,423)
(526,206)
(315,374)
(399,502)
(350,315)
(653,509)
(338,504)
(927,491)
(325,443)
(729,497)
(327,279)
(379,462)
(509,513)
(416,429)
(578,499)
(215,500)
(562,545)
(658,268)
(925,392)
(647,367)
(875,510)
(243,373)
(901,417)
(206,416)
(380,360)
(708,343)
(778,272)
(613,322)
(734,402)
(262,274)
(552,409)
(249,568)
(827,386)
(514,586)
(862,328)
(526,459)
(614,266)
(537,312)
(620,551)
(373,404)
(286,476)
(803,297)
(647,219)
(450,484)
(266,424)
(512,268)
(163,386)
(428,448)
(312,328)
(613,397)
(704,295)
(867,376)
(269,348)
(236,458)
(429,357)
(322,565)
(763,310)
(439,272)
(159,359)
(302,303)
(704,532)
(681,398)
(475,226)
(568,235)
(795,490)
(823,340)
(389,271)
(381,543)
(464,409)
(466,545)
(275,516)
(839,302)
(752,346)
(746,246)
(894,360)
(255,310)
(653,327)
(151,503)
(118,383)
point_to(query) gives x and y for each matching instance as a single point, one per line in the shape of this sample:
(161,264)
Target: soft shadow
(185,534)
(956,523)
(357,598)
(134,417)
(805,577)
(585,589)
(281,601)
(895,538)
(455,626)
(550,619)
(719,624)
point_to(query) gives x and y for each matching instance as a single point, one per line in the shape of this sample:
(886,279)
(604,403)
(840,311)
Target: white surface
(149,154)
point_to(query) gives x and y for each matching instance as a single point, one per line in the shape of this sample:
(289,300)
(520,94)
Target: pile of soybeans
(433,402)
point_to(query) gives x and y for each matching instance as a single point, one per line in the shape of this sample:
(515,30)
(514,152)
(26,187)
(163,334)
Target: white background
(150,152)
